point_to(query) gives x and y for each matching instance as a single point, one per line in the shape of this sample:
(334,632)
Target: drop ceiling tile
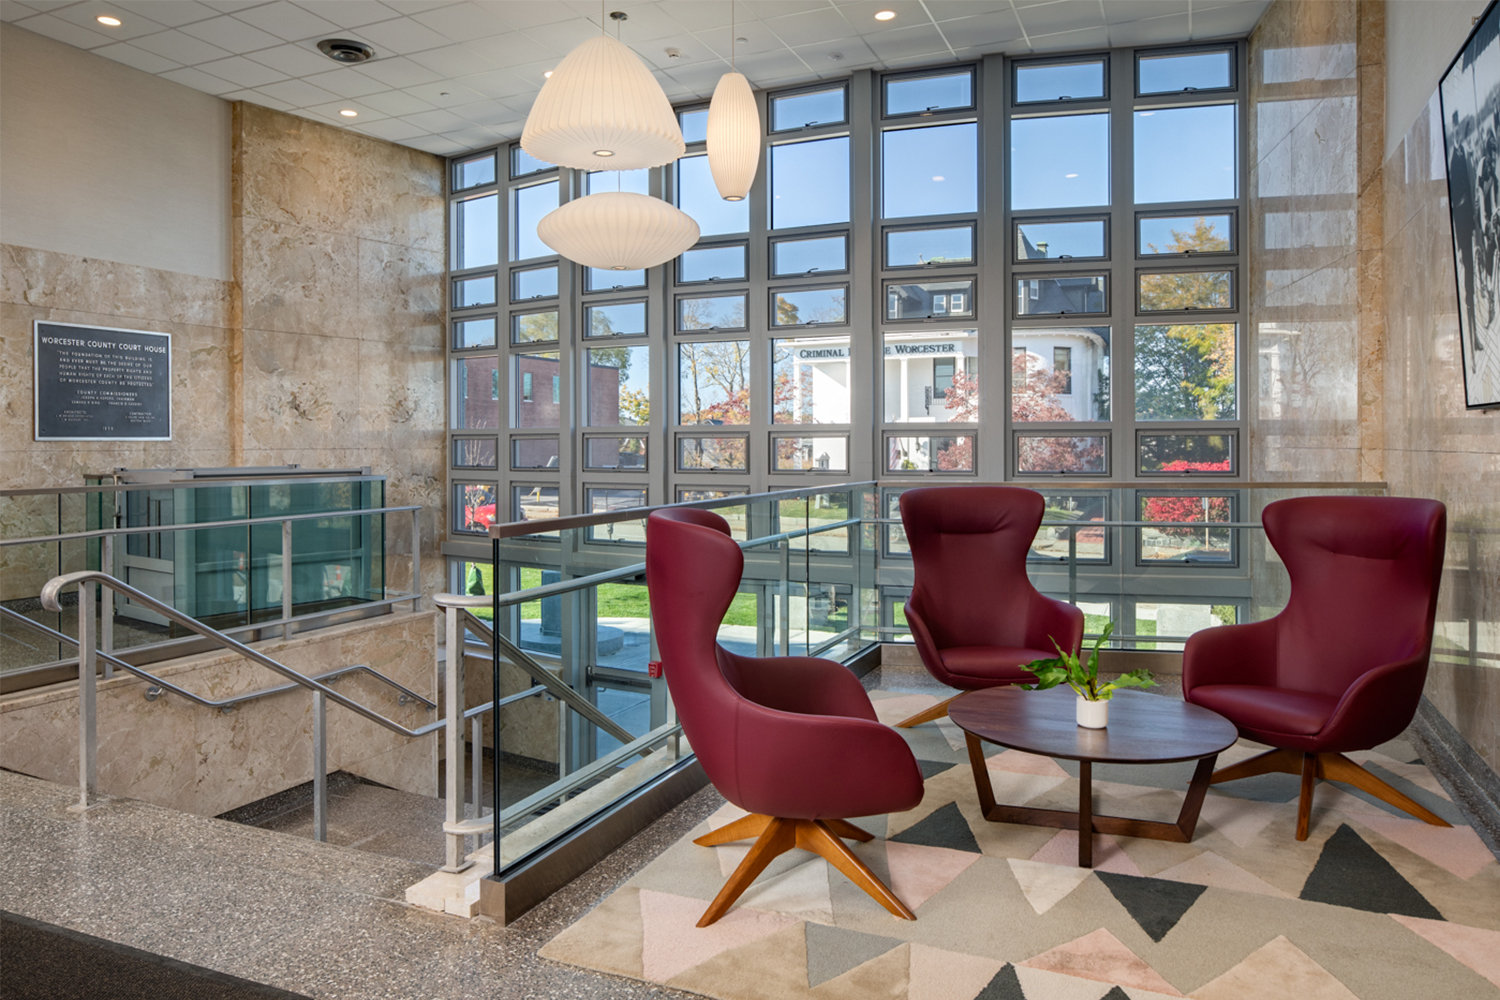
(396,103)
(988,29)
(12,11)
(397,71)
(230,6)
(435,120)
(520,104)
(474,137)
(645,23)
(231,34)
(198,80)
(491,114)
(182,48)
(443,94)
(289,22)
(346,83)
(132,24)
(149,62)
(64,31)
(692,52)
(590,9)
(523,14)
(853,54)
(332,110)
(298,93)
(455,60)
(1125,11)
(704,16)
(1063,15)
(498,83)
(435,144)
(1080,38)
(816,27)
(389,129)
(172,13)
(945,10)
(772,66)
(294,59)
(861,15)
(242,72)
(415,6)
(348,13)
(253,97)
(1151,31)
(1226,22)
(780,8)
(403,36)
(699,78)
(559,38)
(463,22)
(906,43)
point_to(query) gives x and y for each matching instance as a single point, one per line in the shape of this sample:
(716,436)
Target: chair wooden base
(938,711)
(775,836)
(1328,767)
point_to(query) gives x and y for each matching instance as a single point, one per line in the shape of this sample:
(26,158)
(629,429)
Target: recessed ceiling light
(548,74)
(349,112)
(604,152)
(884,15)
(113,22)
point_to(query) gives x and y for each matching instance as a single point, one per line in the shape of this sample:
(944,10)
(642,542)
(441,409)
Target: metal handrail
(73,536)
(290,477)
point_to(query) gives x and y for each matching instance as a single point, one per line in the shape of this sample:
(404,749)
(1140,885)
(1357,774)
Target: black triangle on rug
(945,827)
(1154,903)
(833,951)
(1004,986)
(1351,873)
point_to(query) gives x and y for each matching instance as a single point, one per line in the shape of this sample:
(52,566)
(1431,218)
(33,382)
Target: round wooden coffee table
(1143,729)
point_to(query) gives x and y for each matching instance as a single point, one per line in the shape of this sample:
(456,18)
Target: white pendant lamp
(733,137)
(601,109)
(618,231)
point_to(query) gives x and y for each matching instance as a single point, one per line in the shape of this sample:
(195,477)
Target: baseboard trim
(1468,779)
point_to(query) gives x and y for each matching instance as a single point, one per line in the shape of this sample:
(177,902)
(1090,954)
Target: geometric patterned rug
(1373,905)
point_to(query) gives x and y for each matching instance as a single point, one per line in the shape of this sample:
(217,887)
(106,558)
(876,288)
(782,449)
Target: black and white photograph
(1471,131)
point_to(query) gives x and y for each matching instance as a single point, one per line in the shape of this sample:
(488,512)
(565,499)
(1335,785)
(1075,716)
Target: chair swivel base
(1328,767)
(938,711)
(775,836)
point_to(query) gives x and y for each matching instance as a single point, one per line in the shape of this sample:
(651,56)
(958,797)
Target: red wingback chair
(793,739)
(973,612)
(1341,668)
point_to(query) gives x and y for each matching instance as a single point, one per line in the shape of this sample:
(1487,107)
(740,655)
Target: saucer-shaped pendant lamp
(602,110)
(733,137)
(618,231)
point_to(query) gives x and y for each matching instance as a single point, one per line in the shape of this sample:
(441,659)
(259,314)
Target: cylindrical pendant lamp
(618,231)
(733,137)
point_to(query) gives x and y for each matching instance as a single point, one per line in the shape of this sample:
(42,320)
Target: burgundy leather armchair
(793,740)
(1341,668)
(973,612)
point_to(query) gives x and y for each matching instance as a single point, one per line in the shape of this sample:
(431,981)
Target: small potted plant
(1093,697)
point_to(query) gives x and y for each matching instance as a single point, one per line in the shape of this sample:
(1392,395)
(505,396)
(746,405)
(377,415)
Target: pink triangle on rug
(1456,848)
(1211,870)
(1478,949)
(947,975)
(1101,956)
(673,943)
(1278,970)
(1045,885)
(1017,762)
(1108,855)
(893,710)
(918,872)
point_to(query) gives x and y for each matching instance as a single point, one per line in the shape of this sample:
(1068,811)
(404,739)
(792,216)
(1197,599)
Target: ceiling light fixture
(349,113)
(346,50)
(885,15)
(105,19)
(618,231)
(733,131)
(548,74)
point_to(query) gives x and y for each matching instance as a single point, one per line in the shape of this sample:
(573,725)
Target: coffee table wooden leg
(982,783)
(1187,819)
(1085,814)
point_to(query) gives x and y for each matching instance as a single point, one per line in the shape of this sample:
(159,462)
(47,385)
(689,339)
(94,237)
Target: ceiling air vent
(346,50)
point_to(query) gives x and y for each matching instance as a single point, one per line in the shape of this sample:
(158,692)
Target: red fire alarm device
(653,670)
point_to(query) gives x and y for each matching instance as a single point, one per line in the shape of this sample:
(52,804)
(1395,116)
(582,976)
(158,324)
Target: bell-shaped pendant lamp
(618,231)
(602,110)
(733,137)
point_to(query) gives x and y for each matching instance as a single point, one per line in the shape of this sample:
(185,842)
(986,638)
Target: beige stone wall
(179,754)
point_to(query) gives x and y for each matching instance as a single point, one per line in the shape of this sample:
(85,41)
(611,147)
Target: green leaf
(1141,678)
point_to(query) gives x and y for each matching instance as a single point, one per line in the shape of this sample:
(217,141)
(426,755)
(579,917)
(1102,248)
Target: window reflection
(810,454)
(1059,162)
(615,319)
(724,454)
(1060,296)
(827,254)
(810,183)
(912,95)
(930,171)
(711,312)
(1186,154)
(810,306)
(819,107)
(1182,290)
(1059,81)
(1186,453)
(1047,454)
(929,247)
(929,300)
(953,453)
(1060,240)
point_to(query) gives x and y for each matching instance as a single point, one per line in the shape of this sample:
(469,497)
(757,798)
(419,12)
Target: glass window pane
(474,507)
(523,163)
(608,499)
(931,377)
(614,453)
(1186,453)
(1061,296)
(1051,543)
(1036,454)
(528,206)
(929,299)
(930,454)
(821,107)
(694,125)
(533,503)
(476,291)
(713,382)
(922,247)
(533,453)
(726,263)
(1184,234)
(829,254)
(699,198)
(810,381)
(1075,81)
(692,495)
(478,236)
(711,312)
(810,183)
(1186,154)
(1185,372)
(474,453)
(629,181)
(1174,73)
(474,333)
(531,328)
(1186,290)
(723,453)
(533,283)
(1059,162)
(476,393)
(474,171)
(930,171)
(537,392)
(619,386)
(615,319)
(1060,374)
(809,306)
(1181,543)
(1060,240)
(601,279)
(811,454)
(916,94)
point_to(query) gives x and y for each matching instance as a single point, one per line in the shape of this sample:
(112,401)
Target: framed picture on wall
(1470,95)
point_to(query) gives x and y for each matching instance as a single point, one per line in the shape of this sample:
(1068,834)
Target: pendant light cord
(731,36)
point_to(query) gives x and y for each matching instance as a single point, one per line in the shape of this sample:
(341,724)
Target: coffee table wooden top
(1143,728)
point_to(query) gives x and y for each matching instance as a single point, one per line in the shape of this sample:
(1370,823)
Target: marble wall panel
(296,279)
(400,293)
(302,390)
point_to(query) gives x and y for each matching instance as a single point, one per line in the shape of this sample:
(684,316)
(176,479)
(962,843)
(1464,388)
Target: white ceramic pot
(1093,714)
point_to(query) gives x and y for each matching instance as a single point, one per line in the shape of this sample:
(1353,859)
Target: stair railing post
(416,561)
(107,603)
(88,699)
(286,579)
(453,732)
(320,766)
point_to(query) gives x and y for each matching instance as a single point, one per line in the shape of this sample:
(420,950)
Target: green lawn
(616,600)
